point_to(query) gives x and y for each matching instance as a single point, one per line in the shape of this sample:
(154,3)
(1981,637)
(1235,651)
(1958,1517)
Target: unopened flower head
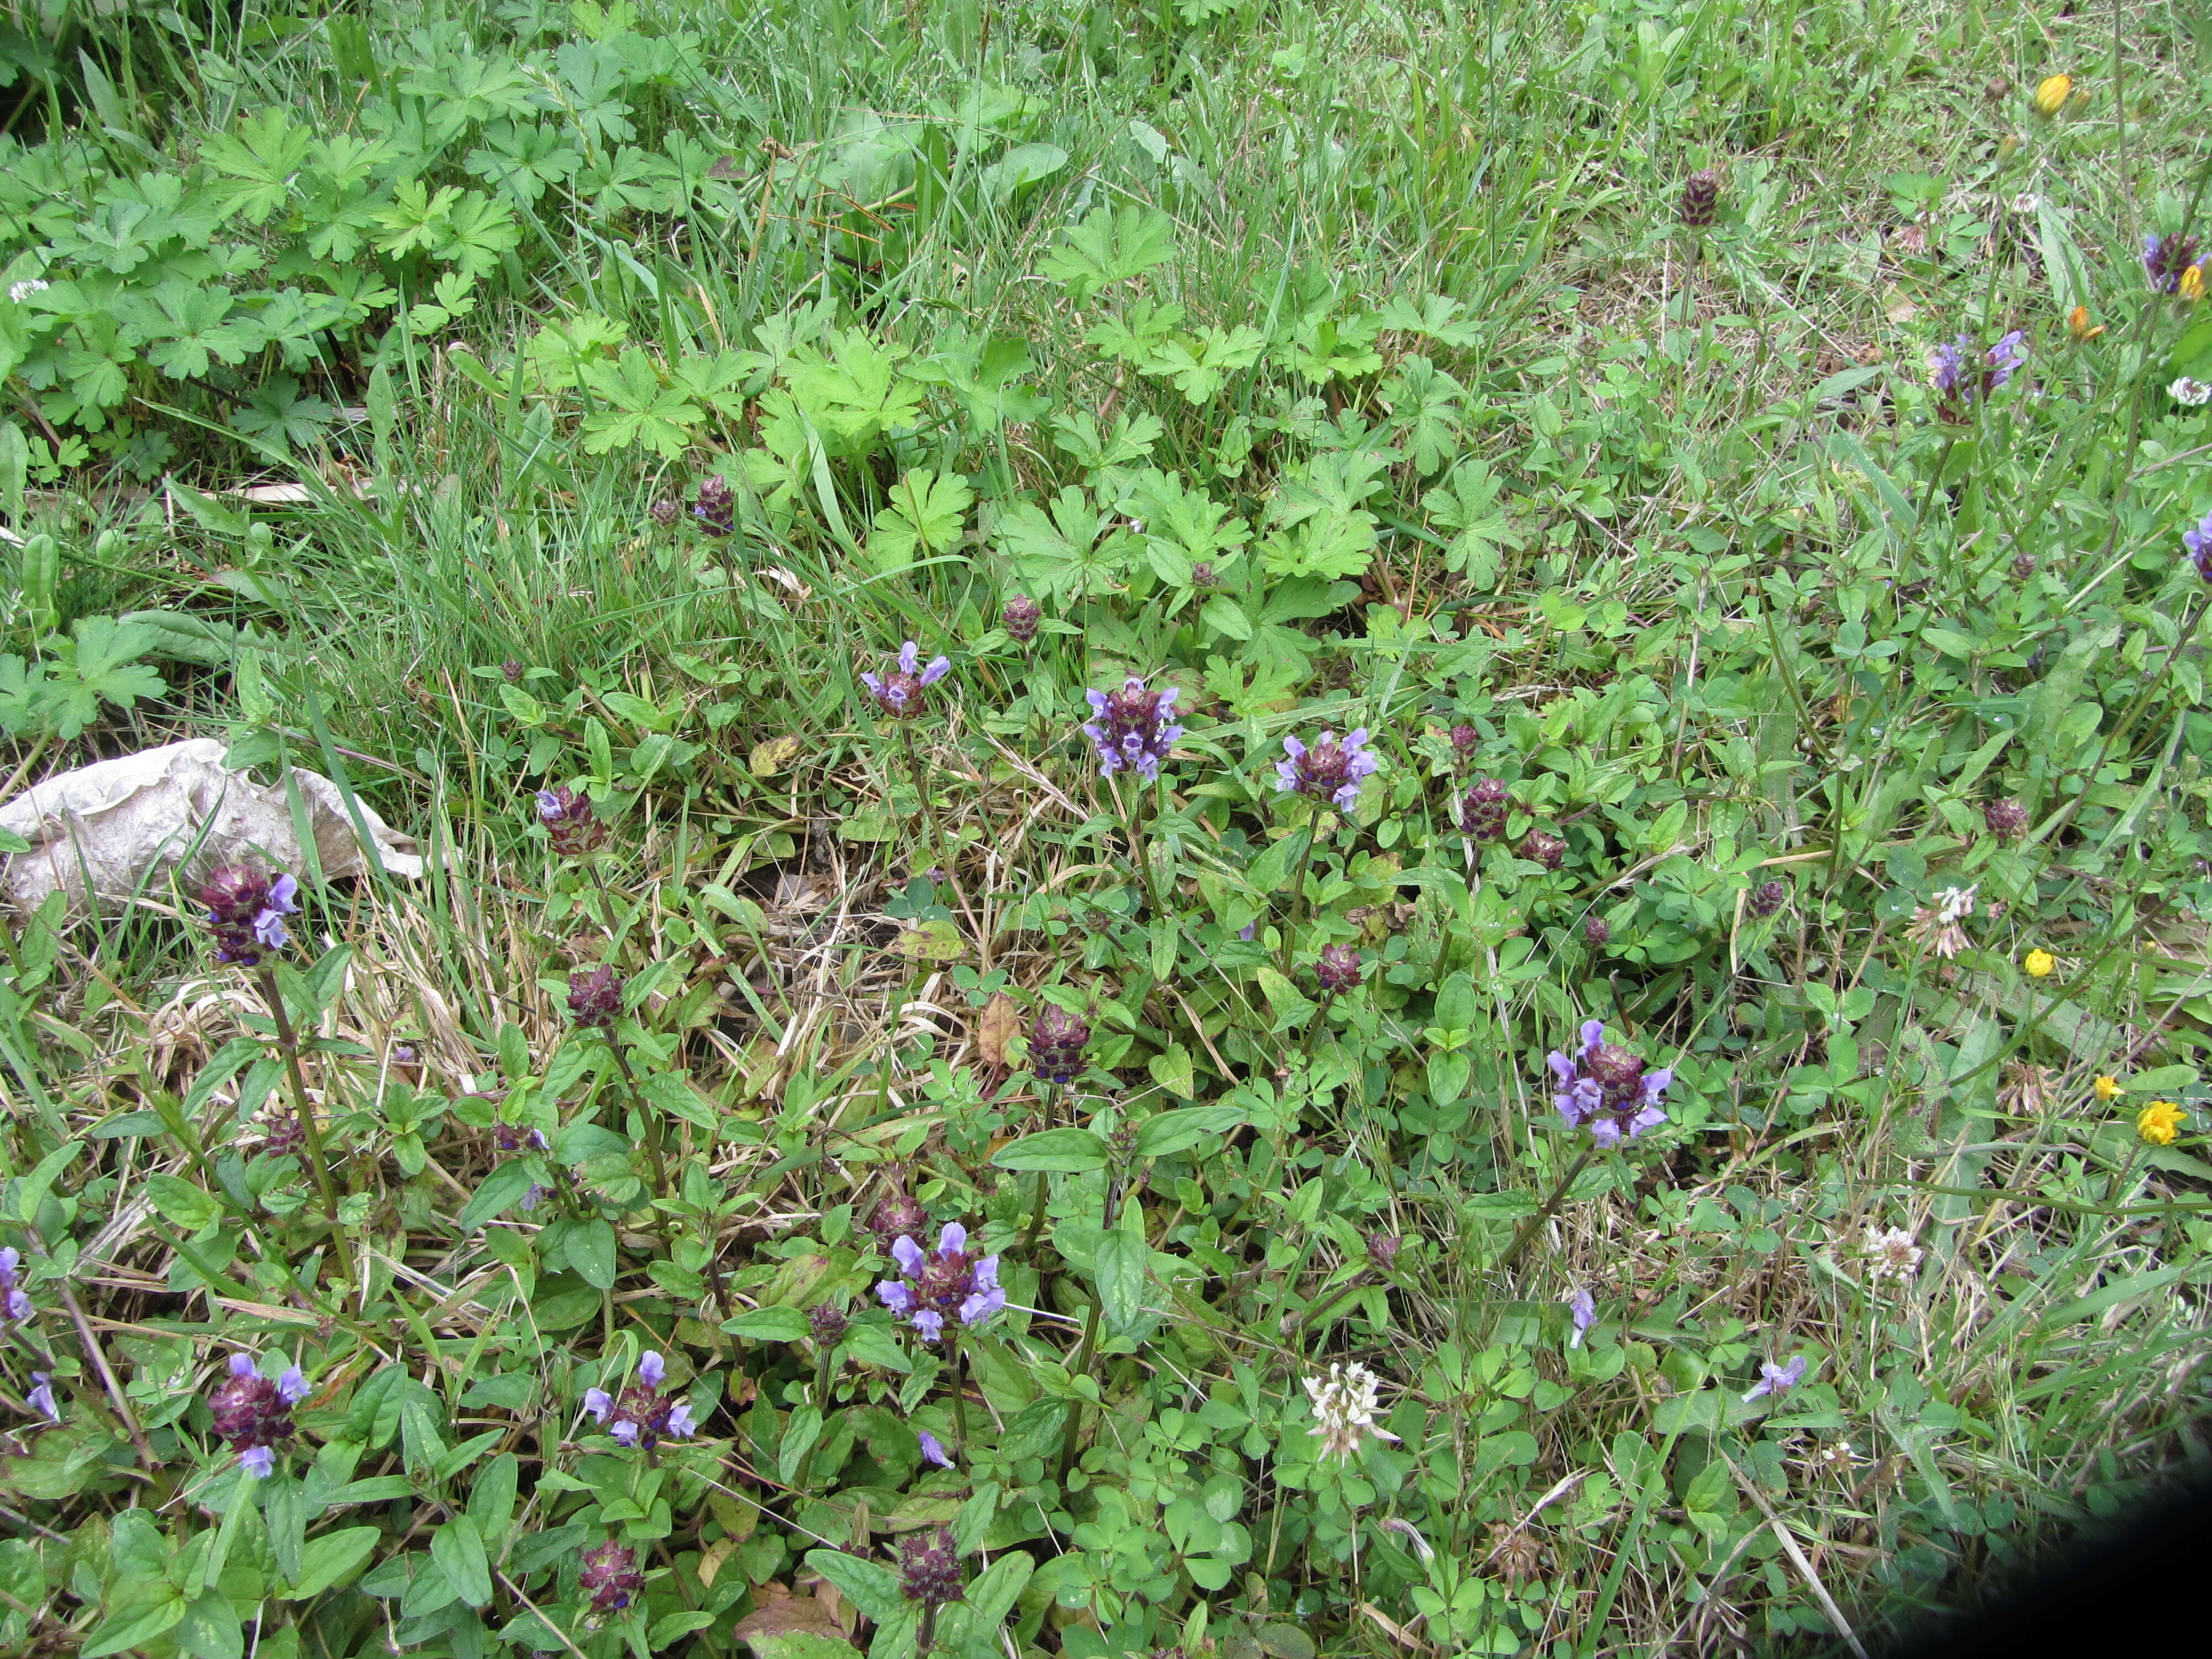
(929,1568)
(2039,964)
(1344,1404)
(826,1323)
(1605,1087)
(2005,819)
(2051,94)
(2196,542)
(716,506)
(1768,896)
(896,1214)
(1891,1254)
(898,691)
(2159,1123)
(1133,730)
(641,1415)
(1329,770)
(572,822)
(1937,925)
(595,998)
(2191,394)
(1482,809)
(255,1414)
(1057,1040)
(2107,1088)
(665,512)
(610,1577)
(1337,969)
(1020,618)
(1540,847)
(947,1282)
(1776,1380)
(15,1302)
(2165,258)
(1597,931)
(1701,193)
(246,910)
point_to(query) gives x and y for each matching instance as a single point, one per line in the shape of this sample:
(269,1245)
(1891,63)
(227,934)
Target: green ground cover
(1730,462)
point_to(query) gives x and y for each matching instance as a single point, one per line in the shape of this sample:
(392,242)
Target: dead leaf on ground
(1001,1025)
(777,1612)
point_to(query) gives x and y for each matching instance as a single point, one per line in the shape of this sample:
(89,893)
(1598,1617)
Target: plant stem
(310,1134)
(953,1357)
(1299,892)
(1549,1208)
(1075,1407)
(921,794)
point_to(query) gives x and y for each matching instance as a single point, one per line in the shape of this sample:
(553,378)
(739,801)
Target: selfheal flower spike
(1057,1039)
(253,1413)
(246,910)
(1020,618)
(641,1416)
(715,507)
(949,1281)
(2197,543)
(1131,730)
(595,998)
(572,822)
(1482,809)
(610,1577)
(1605,1089)
(1337,969)
(15,1305)
(929,1568)
(1329,770)
(898,692)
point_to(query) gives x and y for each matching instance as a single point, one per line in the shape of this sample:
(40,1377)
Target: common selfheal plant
(2197,543)
(1329,770)
(571,822)
(1960,383)
(246,910)
(1132,729)
(951,1279)
(253,1413)
(640,1417)
(898,693)
(1605,1089)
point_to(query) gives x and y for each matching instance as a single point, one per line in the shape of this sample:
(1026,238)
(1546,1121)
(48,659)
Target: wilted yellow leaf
(1001,1022)
(777,754)
(935,941)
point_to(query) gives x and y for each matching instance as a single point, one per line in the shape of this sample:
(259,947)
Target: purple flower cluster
(610,1577)
(898,693)
(41,1396)
(640,1417)
(1605,1089)
(1960,383)
(14,1303)
(572,822)
(950,1280)
(1776,1380)
(2164,260)
(253,1413)
(245,911)
(1329,770)
(2197,543)
(1132,729)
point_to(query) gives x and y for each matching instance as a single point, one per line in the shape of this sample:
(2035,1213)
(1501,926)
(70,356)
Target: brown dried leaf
(777,1612)
(1001,1025)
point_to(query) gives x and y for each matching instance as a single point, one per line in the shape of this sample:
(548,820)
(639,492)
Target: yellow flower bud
(2050,97)
(2159,1123)
(2192,282)
(2038,963)
(2078,321)
(2107,1088)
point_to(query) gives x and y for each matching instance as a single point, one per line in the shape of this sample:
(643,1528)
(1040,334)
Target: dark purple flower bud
(1607,1089)
(1701,193)
(826,1323)
(2197,543)
(1768,896)
(512,671)
(15,1305)
(898,693)
(253,1413)
(246,910)
(2023,565)
(929,1568)
(595,998)
(1202,576)
(1384,1248)
(1482,809)
(1550,851)
(1020,618)
(1132,729)
(2165,257)
(1464,737)
(665,512)
(1338,968)
(2007,820)
(1328,771)
(572,822)
(610,1577)
(715,507)
(1596,932)
(1057,1040)
(949,1281)
(285,1137)
(897,1216)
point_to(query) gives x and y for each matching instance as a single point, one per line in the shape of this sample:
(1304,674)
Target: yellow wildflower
(2078,321)
(2038,963)
(2192,282)
(2107,1088)
(2050,97)
(2158,1122)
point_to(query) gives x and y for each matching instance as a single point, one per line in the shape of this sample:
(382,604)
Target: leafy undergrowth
(1616,1070)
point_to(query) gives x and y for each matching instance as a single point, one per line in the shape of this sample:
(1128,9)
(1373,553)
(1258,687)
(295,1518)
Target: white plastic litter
(126,823)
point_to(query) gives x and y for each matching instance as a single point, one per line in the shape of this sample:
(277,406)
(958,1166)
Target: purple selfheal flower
(610,1577)
(641,1416)
(2164,260)
(246,910)
(1133,729)
(1950,367)
(1329,770)
(932,1451)
(1582,1308)
(2006,356)
(1777,1380)
(1606,1090)
(14,1303)
(253,1413)
(950,1280)
(2198,545)
(898,693)
(41,1396)
(572,822)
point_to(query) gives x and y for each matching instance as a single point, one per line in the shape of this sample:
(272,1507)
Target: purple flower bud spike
(1329,770)
(949,1281)
(1131,730)
(898,693)
(1605,1089)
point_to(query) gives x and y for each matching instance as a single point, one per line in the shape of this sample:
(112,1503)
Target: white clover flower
(1344,1409)
(23,290)
(1938,926)
(1891,1254)
(2191,394)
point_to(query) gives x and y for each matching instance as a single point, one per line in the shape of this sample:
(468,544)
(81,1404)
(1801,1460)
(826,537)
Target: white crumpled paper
(127,823)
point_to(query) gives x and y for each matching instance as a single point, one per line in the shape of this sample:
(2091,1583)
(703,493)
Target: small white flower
(23,290)
(2191,394)
(1412,1535)
(1955,903)
(1939,925)
(1344,1409)
(2026,202)
(1891,1254)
